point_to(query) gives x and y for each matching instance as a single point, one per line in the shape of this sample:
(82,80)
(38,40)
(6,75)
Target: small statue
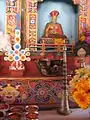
(84,45)
(82,50)
(5,43)
(53,29)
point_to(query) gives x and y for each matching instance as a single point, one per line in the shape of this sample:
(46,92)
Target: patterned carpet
(77,114)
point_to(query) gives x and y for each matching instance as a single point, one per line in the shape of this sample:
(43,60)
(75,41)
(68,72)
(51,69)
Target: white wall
(2,15)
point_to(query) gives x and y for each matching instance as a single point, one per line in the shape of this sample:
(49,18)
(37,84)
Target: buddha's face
(54,19)
(81,52)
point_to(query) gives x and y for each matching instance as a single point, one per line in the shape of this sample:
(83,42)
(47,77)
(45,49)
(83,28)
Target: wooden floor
(77,114)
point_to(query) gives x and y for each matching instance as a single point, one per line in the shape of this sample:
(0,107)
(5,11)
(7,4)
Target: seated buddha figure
(53,29)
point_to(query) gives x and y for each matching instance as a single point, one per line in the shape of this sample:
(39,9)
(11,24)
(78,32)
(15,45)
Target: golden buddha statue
(53,29)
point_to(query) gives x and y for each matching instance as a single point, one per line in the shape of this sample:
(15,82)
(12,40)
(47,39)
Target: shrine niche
(62,33)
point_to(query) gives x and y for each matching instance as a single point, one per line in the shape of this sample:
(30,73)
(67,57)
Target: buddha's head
(81,52)
(54,15)
(82,48)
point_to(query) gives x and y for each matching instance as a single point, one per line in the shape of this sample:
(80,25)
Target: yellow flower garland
(80,85)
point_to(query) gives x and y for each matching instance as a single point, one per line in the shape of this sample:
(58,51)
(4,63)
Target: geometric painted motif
(36,91)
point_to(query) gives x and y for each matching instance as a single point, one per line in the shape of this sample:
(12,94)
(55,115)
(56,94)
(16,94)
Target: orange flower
(80,85)
(88,96)
(83,85)
(81,99)
(74,90)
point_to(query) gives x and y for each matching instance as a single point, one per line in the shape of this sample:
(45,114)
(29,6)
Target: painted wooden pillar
(84,16)
(88,14)
(31,22)
(13,17)
(88,22)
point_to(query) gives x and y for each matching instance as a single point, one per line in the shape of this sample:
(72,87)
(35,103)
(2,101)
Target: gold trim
(32,78)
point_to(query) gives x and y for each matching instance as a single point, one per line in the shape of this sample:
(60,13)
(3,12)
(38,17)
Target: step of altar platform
(76,114)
